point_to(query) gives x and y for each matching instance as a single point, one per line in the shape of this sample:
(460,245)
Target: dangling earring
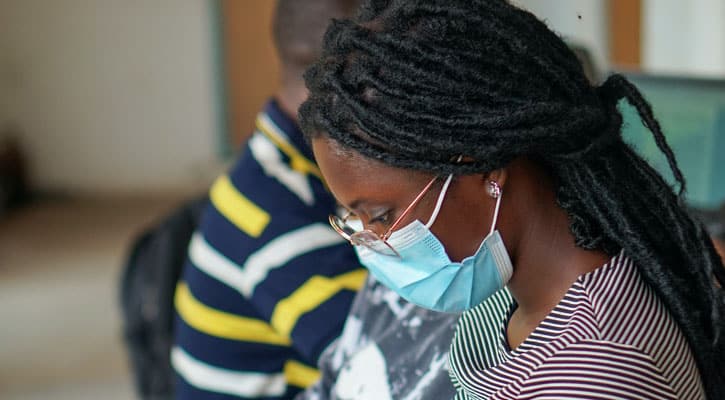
(494,190)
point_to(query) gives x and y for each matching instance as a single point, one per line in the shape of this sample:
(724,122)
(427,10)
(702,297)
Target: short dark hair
(299,26)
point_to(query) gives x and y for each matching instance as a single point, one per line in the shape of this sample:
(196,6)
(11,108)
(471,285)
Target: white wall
(581,21)
(684,37)
(678,37)
(111,95)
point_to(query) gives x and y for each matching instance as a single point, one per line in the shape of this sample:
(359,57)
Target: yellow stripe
(310,295)
(223,325)
(299,374)
(239,210)
(298,162)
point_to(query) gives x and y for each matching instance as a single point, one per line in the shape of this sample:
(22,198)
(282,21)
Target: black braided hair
(413,83)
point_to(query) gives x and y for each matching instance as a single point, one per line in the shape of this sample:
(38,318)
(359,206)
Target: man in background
(268,283)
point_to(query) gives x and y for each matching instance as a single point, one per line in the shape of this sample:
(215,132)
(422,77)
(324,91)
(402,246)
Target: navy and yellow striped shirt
(268,284)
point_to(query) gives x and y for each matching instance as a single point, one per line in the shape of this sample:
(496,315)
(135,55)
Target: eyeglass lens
(364,237)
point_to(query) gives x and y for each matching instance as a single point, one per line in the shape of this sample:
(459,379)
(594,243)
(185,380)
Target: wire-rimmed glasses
(370,239)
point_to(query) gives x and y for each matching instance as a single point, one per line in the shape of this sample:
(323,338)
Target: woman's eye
(382,219)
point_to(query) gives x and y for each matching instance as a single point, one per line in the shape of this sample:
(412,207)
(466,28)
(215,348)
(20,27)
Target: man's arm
(254,315)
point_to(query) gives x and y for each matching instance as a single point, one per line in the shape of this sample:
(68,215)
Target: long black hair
(415,83)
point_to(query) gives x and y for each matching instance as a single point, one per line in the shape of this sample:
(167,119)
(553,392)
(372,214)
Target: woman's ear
(499,176)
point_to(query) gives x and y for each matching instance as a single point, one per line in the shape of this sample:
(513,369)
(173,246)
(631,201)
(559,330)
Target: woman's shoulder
(598,367)
(608,366)
(624,307)
(633,320)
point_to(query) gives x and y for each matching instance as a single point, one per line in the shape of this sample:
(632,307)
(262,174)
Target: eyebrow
(361,202)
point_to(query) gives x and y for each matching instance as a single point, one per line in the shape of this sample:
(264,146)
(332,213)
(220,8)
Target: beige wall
(111,95)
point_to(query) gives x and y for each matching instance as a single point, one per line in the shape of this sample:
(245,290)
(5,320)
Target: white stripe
(284,248)
(215,379)
(213,263)
(584,386)
(611,375)
(270,158)
(273,255)
(271,125)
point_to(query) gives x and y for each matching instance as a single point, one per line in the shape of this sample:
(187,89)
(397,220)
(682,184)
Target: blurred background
(112,112)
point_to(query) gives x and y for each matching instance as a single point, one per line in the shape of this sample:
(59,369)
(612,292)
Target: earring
(494,190)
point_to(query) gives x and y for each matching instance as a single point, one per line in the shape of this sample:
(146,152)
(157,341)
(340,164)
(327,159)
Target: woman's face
(378,194)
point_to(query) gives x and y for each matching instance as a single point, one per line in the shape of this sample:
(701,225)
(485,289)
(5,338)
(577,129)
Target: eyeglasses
(372,240)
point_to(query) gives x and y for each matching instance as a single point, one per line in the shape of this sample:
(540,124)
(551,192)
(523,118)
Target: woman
(465,137)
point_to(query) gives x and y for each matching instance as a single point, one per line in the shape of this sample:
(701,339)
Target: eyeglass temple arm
(410,207)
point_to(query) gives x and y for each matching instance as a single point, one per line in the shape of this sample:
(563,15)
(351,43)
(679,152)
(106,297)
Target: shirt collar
(288,126)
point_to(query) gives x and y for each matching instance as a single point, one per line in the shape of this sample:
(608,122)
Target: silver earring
(494,190)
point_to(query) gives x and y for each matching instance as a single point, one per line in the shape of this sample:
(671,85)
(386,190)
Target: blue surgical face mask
(426,276)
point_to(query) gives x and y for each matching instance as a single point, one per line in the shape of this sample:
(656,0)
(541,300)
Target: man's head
(298,29)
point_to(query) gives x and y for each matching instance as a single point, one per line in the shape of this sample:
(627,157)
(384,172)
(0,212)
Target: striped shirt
(268,283)
(609,338)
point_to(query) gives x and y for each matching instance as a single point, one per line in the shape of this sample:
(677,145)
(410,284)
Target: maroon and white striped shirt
(609,338)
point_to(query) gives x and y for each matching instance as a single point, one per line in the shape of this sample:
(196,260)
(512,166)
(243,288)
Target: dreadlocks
(415,83)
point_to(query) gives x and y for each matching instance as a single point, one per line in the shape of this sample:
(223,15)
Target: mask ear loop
(439,202)
(441,197)
(495,192)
